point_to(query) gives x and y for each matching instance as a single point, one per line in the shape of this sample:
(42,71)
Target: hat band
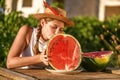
(53,10)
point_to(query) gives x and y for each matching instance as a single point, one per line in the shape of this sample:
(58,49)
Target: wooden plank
(114,70)
(4,78)
(12,75)
(117,71)
(45,75)
(37,74)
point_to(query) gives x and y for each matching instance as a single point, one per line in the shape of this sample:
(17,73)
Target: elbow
(9,65)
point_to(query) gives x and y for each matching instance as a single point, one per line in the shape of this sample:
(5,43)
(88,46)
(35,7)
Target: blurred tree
(59,3)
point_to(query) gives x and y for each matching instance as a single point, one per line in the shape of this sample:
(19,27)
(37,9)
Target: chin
(49,37)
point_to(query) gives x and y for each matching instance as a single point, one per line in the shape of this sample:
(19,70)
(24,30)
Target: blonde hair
(39,34)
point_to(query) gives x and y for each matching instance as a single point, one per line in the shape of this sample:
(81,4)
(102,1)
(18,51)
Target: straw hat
(55,13)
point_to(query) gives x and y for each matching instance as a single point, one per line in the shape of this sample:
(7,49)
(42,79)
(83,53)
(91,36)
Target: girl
(28,48)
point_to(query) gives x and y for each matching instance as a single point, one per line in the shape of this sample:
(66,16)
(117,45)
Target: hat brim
(61,18)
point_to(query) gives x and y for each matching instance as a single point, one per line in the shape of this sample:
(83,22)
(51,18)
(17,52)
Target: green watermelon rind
(91,65)
(51,66)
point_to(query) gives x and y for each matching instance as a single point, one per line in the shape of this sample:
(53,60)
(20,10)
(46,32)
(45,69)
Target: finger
(45,59)
(44,55)
(49,59)
(46,63)
(44,52)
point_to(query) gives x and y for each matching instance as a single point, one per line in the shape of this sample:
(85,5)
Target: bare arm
(20,43)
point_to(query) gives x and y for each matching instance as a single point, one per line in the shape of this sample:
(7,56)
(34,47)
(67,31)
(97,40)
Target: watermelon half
(96,61)
(64,52)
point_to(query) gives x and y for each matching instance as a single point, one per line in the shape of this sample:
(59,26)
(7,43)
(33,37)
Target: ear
(42,22)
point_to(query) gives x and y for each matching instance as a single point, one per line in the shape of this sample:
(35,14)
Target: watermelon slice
(96,61)
(64,52)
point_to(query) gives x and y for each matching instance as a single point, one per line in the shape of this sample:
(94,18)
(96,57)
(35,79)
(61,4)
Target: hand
(43,58)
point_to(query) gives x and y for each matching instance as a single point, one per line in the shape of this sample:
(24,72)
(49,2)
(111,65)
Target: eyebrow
(57,25)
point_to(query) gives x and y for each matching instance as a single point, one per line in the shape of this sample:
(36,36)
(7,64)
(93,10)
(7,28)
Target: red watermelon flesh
(96,54)
(64,52)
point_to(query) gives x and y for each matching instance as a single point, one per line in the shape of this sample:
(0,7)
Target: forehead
(57,23)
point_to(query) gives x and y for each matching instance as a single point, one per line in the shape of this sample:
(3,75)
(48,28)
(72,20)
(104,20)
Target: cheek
(49,33)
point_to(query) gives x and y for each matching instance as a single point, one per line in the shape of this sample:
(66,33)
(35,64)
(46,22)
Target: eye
(54,27)
(61,30)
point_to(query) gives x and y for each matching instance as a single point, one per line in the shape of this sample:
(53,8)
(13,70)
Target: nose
(57,31)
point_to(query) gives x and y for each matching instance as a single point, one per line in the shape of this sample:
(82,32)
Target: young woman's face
(50,28)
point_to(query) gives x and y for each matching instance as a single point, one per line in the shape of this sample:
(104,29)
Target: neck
(43,39)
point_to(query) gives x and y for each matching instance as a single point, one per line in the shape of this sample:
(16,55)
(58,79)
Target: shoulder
(26,32)
(26,29)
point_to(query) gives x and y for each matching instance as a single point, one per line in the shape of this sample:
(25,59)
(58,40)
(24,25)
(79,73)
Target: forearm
(23,61)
